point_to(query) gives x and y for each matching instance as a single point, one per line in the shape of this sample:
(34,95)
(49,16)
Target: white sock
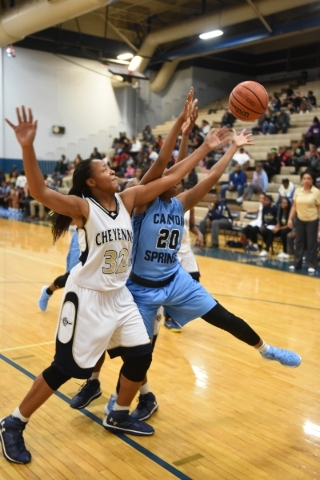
(144,388)
(94,376)
(255,244)
(18,414)
(118,408)
(264,348)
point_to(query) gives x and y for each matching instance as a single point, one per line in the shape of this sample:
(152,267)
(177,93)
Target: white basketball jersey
(185,242)
(105,245)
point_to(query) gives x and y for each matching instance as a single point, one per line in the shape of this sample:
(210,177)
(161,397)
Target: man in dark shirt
(218,218)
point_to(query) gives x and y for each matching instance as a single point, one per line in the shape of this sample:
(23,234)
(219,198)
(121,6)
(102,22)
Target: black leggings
(61,281)
(251,233)
(219,317)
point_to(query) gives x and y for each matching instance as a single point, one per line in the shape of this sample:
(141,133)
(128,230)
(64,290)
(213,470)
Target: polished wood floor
(224,412)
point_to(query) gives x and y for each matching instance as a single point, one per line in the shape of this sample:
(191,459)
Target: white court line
(26,346)
(31,257)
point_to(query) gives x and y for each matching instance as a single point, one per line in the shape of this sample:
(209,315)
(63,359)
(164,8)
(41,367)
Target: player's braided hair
(60,223)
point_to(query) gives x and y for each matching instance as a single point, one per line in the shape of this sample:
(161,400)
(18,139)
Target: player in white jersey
(98,311)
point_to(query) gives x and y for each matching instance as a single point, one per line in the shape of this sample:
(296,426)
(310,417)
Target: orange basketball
(248,101)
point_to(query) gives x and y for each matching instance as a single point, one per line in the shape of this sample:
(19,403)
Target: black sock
(48,291)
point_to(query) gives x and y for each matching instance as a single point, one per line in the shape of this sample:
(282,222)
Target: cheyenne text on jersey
(113,235)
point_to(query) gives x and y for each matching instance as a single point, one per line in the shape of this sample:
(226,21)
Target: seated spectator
(268,125)
(252,230)
(275,103)
(78,159)
(268,223)
(237,182)
(273,164)
(67,179)
(216,106)
(218,218)
(59,171)
(191,180)
(282,121)
(281,229)
(296,102)
(205,127)
(26,201)
(95,154)
(258,128)
(299,158)
(314,167)
(286,190)
(147,134)
(129,171)
(153,156)
(242,158)
(4,194)
(158,143)
(259,182)
(197,141)
(227,119)
(13,177)
(2,176)
(312,99)
(313,134)
(21,180)
(305,106)
(285,156)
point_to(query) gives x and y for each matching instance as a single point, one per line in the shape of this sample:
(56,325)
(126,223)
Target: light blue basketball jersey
(74,252)
(157,235)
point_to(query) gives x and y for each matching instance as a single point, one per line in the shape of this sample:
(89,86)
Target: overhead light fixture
(10,51)
(135,63)
(214,33)
(125,56)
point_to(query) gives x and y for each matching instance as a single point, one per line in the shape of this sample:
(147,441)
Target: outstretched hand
(215,138)
(244,138)
(189,106)
(26,129)
(190,123)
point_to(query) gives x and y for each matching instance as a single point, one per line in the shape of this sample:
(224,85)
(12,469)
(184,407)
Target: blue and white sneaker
(121,422)
(147,405)
(285,357)
(110,405)
(88,392)
(44,299)
(172,325)
(13,447)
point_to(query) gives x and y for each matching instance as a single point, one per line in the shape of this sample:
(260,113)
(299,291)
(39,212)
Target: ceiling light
(125,56)
(214,33)
(135,63)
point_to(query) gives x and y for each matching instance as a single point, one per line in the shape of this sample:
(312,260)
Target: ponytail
(60,223)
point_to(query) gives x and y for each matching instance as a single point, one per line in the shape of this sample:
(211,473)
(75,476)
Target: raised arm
(70,205)
(185,130)
(144,194)
(192,197)
(160,164)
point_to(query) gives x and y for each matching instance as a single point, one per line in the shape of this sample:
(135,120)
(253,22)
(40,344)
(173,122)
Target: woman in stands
(281,229)
(306,208)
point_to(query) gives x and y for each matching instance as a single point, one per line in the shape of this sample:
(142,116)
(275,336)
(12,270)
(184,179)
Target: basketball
(248,101)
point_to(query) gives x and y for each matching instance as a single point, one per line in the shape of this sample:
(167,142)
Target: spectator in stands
(296,102)
(252,230)
(227,119)
(21,180)
(216,106)
(313,134)
(78,159)
(275,103)
(242,158)
(198,140)
(282,121)
(191,180)
(258,128)
(237,182)
(158,143)
(4,194)
(268,125)
(281,229)
(259,182)
(13,177)
(218,218)
(26,201)
(299,158)
(268,223)
(306,208)
(273,164)
(2,176)
(314,167)
(205,127)
(312,99)
(286,190)
(95,154)
(147,134)
(285,156)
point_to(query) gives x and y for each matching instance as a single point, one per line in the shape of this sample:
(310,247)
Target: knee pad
(54,378)
(135,368)
(61,281)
